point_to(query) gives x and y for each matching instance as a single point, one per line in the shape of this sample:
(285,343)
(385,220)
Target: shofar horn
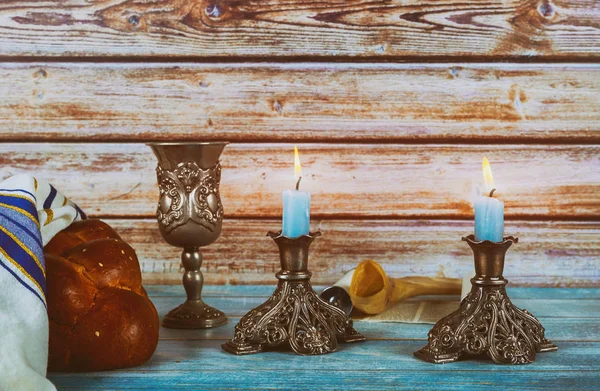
(372,291)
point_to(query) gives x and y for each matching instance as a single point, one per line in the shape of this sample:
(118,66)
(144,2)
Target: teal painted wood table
(193,360)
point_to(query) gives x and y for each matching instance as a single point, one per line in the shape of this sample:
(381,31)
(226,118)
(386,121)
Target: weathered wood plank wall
(551,253)
(346,180)
(392,103)
(301,102)
(558,29)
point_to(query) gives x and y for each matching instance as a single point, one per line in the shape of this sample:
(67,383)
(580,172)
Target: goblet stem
(193,280)
(194,313)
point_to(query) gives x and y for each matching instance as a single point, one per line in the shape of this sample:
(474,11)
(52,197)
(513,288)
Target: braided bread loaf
(100,315)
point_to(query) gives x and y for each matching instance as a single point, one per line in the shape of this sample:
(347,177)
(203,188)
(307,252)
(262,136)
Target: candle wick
(492,192)
(298,183)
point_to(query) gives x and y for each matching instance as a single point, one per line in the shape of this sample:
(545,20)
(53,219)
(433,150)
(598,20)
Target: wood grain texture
(564,325)
(346,180)
(301,102)
(193,359)
(322,379)
(548,253)
(515,292)
(385,355)
(558,329)
(376,29)
(239,306)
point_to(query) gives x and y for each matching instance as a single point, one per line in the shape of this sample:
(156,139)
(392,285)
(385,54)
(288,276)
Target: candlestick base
(294,314)
(487,323)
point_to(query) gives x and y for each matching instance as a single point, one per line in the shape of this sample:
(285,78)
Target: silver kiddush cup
(190,215)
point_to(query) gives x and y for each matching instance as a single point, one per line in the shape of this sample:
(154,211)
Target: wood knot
(278,107)
(134,20)
(518,97)
(454,72)
(547,10)
(41,73)
(213,11)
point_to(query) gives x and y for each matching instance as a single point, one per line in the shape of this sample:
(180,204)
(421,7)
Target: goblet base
(194,314)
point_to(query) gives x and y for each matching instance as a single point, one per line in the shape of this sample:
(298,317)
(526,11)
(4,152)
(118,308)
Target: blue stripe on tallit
(25,204)
(22,282)
(50,198)
(78,209)
(19,191)
(33,234)
(14,250)
(25,221)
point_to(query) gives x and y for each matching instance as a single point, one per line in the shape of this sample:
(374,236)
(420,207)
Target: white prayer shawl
(31,213)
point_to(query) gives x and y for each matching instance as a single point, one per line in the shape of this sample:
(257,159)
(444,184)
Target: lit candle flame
(487,176)
(297,167)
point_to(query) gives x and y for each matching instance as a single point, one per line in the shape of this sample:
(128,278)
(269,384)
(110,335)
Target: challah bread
(100,315)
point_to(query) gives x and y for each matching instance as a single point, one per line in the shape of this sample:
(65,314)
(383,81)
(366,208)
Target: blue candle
(296,206)
(489,211)
(296,213)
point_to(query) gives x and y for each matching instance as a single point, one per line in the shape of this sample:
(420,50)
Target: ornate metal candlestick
(190,215)
(487,322)
(294,314)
